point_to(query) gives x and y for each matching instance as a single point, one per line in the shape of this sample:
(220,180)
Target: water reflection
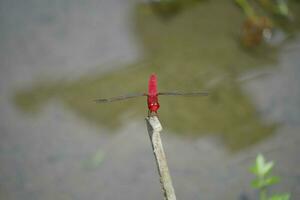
(187,55)
(45,156)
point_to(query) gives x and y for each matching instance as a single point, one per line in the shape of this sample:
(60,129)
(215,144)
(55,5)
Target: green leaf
(271,180)
(268,167)
(257,184)
(280,197)
(260,183)
(260,161)
(254,170)
(260,164)
(262,167)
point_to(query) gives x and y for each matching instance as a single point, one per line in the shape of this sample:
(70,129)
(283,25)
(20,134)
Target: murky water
(72,37)
(58,155)
(277,94)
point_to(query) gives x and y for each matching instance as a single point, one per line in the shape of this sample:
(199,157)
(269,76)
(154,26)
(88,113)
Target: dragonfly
(152,96)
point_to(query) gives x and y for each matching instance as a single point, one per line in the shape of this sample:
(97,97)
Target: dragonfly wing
(202,93)
(119,98)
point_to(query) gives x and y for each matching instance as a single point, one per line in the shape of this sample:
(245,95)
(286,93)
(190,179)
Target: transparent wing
(202,93)
(120,98)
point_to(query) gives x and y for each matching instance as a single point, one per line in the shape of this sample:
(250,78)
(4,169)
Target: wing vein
(175,93)
(119,98)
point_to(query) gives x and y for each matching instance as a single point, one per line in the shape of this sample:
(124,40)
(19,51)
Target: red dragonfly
(152,96)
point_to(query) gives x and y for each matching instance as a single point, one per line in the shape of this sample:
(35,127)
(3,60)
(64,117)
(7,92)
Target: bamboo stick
(154,128)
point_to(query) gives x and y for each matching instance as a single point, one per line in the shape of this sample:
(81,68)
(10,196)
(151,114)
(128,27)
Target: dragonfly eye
(153,104)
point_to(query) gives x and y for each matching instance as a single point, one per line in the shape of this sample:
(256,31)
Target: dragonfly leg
(152,113)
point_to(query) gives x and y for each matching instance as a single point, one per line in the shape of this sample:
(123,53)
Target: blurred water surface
(60,152)
(72,37)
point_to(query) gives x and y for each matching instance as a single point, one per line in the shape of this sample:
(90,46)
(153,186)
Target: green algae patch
(197,49)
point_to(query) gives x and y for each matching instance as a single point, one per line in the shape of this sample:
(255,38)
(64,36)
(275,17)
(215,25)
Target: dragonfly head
(153,104)
(153,107)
